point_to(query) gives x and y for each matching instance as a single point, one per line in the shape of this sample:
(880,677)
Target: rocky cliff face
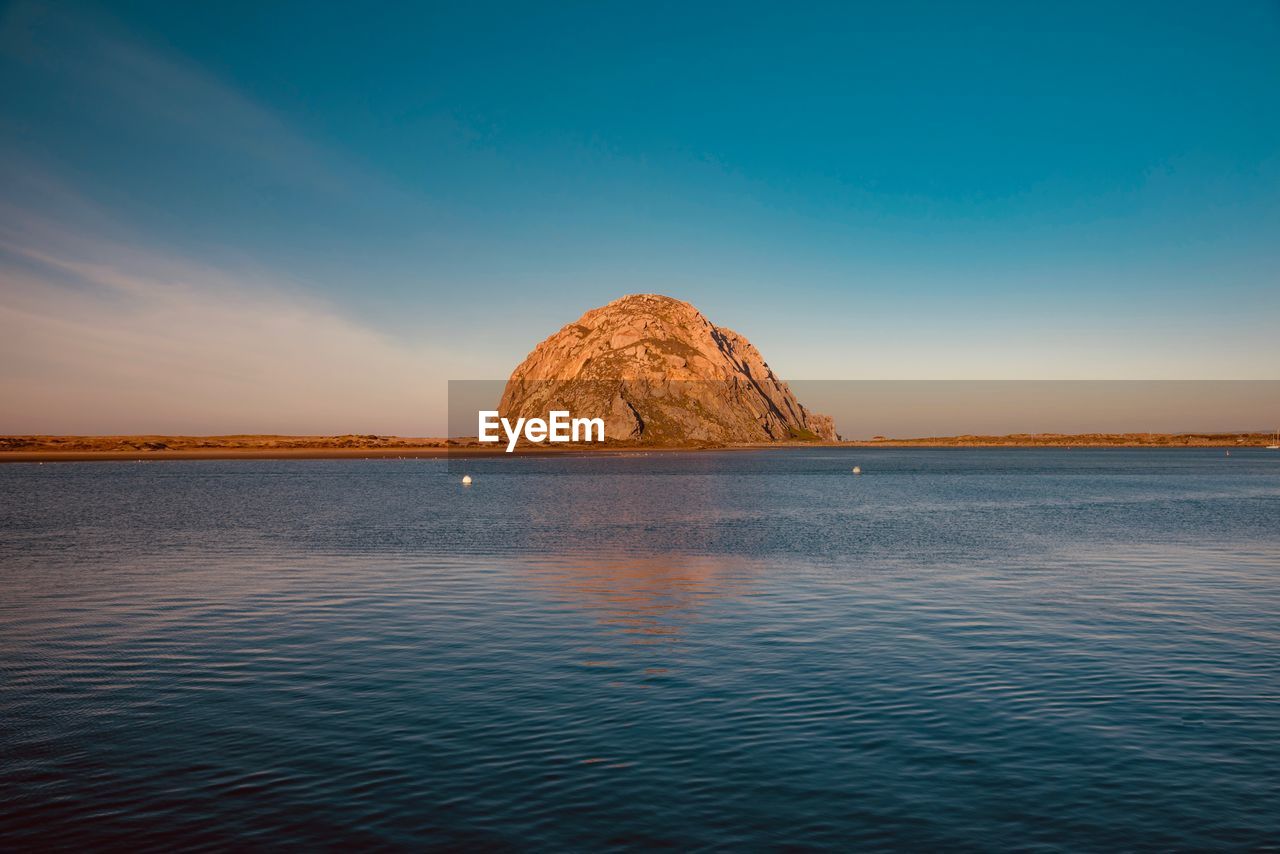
(658,372)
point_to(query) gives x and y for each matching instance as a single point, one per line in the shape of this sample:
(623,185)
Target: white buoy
(466,480)
(857,469)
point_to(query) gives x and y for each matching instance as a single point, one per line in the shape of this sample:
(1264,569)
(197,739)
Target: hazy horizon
(291,219)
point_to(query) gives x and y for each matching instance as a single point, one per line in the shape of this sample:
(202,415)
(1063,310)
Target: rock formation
(658,372)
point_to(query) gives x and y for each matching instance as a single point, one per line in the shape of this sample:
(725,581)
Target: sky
(308,218)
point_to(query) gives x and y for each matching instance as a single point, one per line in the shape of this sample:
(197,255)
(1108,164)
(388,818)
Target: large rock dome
(658,372)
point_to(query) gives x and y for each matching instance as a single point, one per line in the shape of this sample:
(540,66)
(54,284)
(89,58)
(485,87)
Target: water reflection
(960,647)
(609,561)
(648,600)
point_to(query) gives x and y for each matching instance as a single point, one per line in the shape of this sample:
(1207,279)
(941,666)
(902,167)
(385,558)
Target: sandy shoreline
(42,449)
(222,454)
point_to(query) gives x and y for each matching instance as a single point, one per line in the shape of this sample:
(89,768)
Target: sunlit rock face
(658,372)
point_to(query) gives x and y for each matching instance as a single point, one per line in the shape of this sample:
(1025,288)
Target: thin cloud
(132,81)
(101,337)
(105,329)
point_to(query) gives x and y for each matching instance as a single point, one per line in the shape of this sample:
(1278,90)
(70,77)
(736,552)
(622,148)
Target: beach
(50,449)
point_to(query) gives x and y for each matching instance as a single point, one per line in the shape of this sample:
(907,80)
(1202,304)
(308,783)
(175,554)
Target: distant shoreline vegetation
(1132,440)
(47,448)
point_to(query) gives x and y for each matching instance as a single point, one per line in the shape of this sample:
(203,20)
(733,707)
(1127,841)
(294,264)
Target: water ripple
(978,650)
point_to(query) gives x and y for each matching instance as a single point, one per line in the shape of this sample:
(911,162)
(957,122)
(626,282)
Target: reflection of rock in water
(628,514)
(630,551)
(648,599)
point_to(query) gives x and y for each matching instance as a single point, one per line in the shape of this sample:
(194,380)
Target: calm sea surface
(973,649)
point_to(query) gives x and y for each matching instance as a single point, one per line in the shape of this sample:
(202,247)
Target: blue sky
(286,217)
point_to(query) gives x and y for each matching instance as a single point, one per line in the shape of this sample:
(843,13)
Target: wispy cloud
(105,327)
(97,336)
(138,83)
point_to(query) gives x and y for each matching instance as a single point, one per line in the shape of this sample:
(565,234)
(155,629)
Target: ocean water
(996,649)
